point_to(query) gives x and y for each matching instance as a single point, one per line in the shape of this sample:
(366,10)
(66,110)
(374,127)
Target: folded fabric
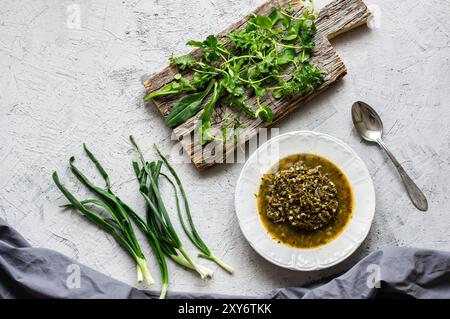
(28,272)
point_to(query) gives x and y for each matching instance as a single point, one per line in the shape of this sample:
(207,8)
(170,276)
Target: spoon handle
(415,194)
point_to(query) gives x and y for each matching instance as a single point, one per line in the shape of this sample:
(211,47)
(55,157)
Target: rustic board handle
(340,16)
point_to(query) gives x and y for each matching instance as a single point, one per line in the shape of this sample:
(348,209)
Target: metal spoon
(369,126)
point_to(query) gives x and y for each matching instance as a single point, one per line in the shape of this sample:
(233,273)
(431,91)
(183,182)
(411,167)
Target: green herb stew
(305,202)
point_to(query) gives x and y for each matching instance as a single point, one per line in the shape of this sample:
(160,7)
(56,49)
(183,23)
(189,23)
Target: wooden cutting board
(337,17)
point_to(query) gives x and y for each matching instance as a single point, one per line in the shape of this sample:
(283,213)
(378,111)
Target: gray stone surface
(61,86)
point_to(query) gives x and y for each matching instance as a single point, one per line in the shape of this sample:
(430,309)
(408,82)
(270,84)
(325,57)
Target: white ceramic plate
(341,155)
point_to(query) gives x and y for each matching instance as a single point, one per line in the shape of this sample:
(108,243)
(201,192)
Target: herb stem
(286,45)
(205,72)
(287,14)
(257,81)
(240,57)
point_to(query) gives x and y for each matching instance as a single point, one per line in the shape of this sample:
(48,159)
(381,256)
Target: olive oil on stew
(292,236)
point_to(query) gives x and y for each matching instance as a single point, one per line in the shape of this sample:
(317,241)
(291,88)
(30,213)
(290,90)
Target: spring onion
(157,216)
(117,223)
(191,231)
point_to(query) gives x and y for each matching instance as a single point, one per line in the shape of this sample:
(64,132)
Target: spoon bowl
(367,122)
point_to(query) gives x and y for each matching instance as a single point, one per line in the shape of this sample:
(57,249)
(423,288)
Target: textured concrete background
(61,85)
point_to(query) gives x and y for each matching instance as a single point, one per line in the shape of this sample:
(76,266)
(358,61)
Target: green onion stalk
(117,223)
(190,230)
(157,248)
(158,219)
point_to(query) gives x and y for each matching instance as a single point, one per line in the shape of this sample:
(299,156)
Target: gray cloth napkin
(29,272)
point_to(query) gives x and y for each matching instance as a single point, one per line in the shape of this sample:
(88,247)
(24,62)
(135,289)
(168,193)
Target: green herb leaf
(264,113)
(291,35)
(211,47)
(186,107)
(193,43)
(240,103)
(275,16)
(183,62)
(286,56)
(263,22)
(205,119)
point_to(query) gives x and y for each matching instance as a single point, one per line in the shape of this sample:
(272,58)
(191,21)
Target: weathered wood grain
(337,17)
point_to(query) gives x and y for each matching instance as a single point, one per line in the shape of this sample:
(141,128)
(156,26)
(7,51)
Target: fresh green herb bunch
(270,57)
